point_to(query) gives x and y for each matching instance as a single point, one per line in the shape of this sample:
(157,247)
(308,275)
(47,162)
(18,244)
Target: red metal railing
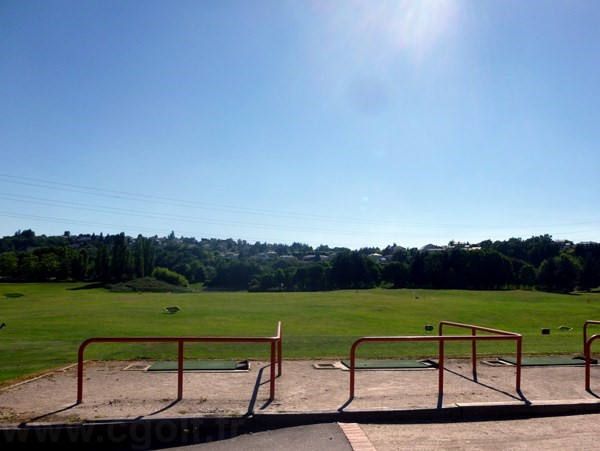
(474,330)
(275,342)
(441,339)
(587,348)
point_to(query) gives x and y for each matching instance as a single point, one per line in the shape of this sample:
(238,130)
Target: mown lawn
(46,325)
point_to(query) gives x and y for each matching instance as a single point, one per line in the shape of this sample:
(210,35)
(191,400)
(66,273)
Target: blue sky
(347,123)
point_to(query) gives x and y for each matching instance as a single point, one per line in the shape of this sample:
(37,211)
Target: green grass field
(46,325)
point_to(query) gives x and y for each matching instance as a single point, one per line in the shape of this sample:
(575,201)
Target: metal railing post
(279,349)
(474,354)
(588,360)
(80,372)
(585,327)
(276,353)
(519,359)
(499,335)
(272,381)
(587,365)
(587,349)
(441,366)
(180,370)
(353,367)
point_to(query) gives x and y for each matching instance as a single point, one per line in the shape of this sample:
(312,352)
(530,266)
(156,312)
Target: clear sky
(347,123)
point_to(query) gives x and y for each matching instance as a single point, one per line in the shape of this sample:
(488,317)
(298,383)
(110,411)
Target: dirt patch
(111,392)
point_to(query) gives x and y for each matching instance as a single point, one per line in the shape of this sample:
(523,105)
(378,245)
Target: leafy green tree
(235,274)
(149,256)
(353,270)
(80,265)
(498,270)
(281,279)
(436,268)
(138,257)
(417,270)
(590,275)
(401,255)
(264,282)
(317,277)
(30,266)
(102,262)
(300,278)
(144,255)
(527,276)
(559,273)
(396,273)
(9,264)
(169,276)
(23,241)
(49,266)
(122,260)
(540,248)
(517,248)
(589,255)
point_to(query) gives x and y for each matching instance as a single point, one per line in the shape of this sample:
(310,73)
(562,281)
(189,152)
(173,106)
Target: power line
(236,209)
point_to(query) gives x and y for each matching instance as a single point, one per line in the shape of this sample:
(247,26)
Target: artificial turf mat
(200,365)
(389,364)
(543,361)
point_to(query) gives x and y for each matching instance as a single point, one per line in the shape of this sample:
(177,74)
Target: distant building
(431,248)
(378,258)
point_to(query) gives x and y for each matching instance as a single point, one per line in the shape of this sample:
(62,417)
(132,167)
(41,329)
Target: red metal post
(352,367)
(279,349)
(272,381)
(499,335)
(180,370)
(519,356)
(276,344)
(80,372)
(585,326)
(588,360)
(441,366)
(587,365)
(474,354)
(587,349)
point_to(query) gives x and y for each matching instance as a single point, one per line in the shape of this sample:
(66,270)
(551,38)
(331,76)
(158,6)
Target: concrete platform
(122,400)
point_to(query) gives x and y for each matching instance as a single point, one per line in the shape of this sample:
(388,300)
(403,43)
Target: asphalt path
(581,432)
(327,436)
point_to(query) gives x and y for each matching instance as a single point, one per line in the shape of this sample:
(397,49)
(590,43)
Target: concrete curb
(146,433)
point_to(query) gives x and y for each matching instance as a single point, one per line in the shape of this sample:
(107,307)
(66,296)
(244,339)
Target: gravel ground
(117,391)
(111,392)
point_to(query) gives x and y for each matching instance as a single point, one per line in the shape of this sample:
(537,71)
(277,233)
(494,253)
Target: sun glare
(389,29)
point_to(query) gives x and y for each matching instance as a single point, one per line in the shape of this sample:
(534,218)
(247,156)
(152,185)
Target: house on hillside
(378,258)
(431,248)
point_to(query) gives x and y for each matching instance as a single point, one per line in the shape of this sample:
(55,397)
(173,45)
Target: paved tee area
(120,403)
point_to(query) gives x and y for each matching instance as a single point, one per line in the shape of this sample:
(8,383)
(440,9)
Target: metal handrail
(275,341)
(441,339)
(585,326)
(474,330)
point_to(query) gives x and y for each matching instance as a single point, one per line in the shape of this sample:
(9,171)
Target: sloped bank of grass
(46,325)
(148,285)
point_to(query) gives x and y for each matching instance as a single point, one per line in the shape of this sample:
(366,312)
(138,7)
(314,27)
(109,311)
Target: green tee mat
(544,361)
(200,365)
(390,364)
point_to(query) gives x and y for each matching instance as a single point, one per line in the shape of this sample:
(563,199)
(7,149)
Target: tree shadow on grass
(89,286)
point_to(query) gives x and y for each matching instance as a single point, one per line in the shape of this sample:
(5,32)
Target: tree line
(538,262)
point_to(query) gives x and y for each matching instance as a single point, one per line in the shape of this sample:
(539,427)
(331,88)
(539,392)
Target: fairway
(48,322)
